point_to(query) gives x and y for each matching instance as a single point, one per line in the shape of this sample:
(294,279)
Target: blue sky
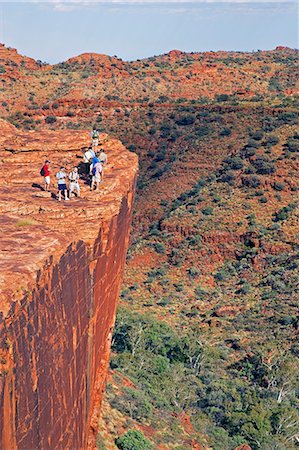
(58,29)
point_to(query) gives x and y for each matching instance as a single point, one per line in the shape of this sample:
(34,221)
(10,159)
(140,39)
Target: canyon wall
(56,327)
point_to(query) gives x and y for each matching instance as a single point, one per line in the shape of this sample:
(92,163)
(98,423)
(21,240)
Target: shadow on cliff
(41,188)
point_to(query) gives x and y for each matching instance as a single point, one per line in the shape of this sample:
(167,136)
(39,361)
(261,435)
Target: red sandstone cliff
(61,267)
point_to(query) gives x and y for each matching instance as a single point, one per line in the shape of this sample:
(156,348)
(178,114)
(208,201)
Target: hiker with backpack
(61,178)
(45,172)
(74,182)
(96,169)
(95,138)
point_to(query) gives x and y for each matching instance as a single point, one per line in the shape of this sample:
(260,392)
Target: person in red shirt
(46,173)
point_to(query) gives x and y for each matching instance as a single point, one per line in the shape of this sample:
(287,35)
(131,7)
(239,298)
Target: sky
(56,30)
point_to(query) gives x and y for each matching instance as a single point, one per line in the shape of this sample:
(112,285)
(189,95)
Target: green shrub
(159,247)
(271,140)
(263,200)
(228,177)
(283,213)
(233,163)
(207,211)
(152,131)
(288,117)
(50,119)
(185,120)
(257,135)
(221,275)
(225,132)
(202,131)
(193,272)
(222,98)
(200,293)
(248,152)
(251,181)
(263,166)
(253,143)
(279,186)
(292,144)
(133,440)
(245,289)
(134,403)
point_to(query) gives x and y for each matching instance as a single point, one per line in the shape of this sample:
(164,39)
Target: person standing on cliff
(74,182)
(95,138)
(45,172)
(87,158)
(103,158)
(95,170)
(61,177)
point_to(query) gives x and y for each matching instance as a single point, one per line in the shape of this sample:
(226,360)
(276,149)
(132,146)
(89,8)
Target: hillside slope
(205,351)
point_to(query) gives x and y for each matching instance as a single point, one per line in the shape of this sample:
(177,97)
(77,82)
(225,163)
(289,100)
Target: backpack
(42,171)
(94,170)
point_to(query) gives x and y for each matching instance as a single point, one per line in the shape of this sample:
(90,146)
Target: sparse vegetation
(208,322)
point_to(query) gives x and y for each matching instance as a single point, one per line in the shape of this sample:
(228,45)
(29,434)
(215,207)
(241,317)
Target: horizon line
(278,47)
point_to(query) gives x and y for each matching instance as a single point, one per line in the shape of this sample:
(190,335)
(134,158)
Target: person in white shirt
(103,157)
(74,182)
(61,179)
(87,157)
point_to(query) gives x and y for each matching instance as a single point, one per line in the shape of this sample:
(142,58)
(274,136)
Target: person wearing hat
(45,172)
(74,182)
(61,178)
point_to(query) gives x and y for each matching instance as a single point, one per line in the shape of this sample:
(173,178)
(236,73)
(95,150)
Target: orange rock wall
(57,341)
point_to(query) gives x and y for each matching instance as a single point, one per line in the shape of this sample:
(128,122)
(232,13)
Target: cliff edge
(61,266)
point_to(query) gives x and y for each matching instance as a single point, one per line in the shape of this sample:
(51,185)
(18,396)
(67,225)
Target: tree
(133,440)
(134,403)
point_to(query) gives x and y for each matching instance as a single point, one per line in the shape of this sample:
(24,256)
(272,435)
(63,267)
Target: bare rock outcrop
(61,266)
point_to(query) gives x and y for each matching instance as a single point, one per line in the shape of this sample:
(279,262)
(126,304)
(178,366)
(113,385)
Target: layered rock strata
(61,266)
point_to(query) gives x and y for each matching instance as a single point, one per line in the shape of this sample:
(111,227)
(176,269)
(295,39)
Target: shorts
(96,178)
(95,141)
(47,179)
(62,187)
(74,186)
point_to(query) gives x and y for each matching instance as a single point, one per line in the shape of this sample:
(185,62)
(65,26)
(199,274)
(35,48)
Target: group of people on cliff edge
(93,168)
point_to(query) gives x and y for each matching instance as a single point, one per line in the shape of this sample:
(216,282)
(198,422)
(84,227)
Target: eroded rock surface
(60,267)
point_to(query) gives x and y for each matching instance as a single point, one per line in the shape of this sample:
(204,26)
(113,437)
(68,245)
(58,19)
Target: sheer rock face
(61,266)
